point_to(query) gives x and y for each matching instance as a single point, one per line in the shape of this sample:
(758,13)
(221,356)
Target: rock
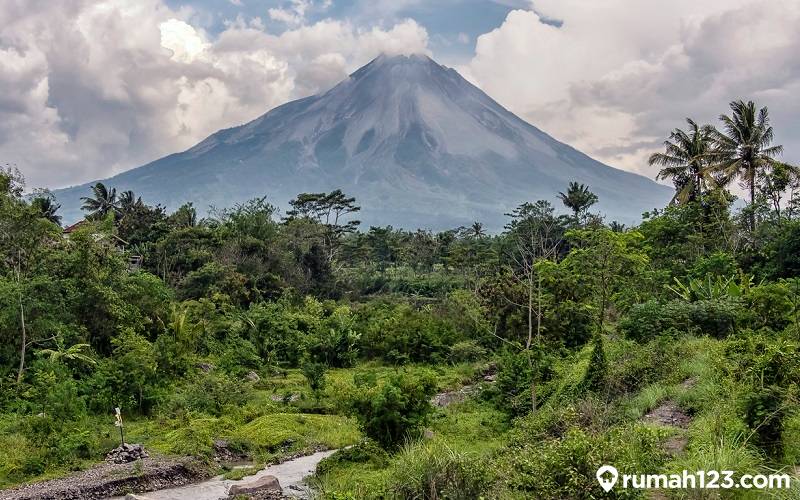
(286,398)
(205,367)
(131,496)
(252,376)
(126,453)
(266,483)
(490,378)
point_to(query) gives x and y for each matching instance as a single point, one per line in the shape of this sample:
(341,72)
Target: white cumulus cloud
(617,75)
(93,87)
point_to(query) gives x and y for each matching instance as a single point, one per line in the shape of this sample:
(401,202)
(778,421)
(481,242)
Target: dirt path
(670,414)
(108,479)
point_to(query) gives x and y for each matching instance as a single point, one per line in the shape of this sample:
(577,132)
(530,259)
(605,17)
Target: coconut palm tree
(47,207)
(743,149)
(476,230)
(103,202)
(578,198)
(127,200)
(685,159)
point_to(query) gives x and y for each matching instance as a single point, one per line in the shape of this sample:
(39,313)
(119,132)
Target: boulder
(262,484)
(252,376)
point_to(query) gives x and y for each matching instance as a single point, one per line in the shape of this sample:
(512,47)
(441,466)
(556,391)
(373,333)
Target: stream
(290,474)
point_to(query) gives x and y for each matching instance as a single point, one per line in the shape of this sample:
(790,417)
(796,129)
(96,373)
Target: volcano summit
(412,140)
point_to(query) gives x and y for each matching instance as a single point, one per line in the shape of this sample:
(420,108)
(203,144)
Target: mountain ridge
(416,143)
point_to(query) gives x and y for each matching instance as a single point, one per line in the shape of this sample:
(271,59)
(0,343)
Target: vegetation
(559,344)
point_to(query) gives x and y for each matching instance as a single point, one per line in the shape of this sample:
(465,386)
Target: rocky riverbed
(110,479)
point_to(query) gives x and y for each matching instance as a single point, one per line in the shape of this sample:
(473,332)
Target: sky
(90,88)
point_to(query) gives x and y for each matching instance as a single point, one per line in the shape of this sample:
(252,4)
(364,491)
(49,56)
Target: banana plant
(712,288)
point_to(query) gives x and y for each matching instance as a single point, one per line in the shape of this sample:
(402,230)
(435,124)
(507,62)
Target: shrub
(394,410)
(315,375)
(466,351)
(365,452)
(432,470)
(711,317)
(597,371)
(209,393)
(558,468)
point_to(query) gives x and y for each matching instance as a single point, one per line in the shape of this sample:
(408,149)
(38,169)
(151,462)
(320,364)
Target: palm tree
(47,207)
(578,199)
(476,230)
(684,160)
(743,148)
(127,200)
(104,201)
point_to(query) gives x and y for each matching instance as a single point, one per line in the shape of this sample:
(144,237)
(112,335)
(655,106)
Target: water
(290,474)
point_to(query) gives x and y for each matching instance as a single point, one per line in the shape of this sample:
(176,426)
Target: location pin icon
(607,482)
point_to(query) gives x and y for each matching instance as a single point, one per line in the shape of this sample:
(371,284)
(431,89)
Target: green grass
(297,431)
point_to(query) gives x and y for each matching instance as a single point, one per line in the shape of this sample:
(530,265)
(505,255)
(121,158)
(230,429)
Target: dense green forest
(284,333)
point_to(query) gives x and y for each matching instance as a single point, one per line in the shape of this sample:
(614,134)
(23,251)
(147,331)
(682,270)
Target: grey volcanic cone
(417,144)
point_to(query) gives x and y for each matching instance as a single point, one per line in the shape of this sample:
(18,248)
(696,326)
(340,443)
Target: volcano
(412,140)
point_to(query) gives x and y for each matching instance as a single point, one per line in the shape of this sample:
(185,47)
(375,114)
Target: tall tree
(743,149)
(101,202)
(685,159)
(329,211)
(535,234)
(578,198)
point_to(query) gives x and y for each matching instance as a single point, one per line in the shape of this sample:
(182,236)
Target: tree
(775,181)
(743,148)
(535,234)
(608,263)
(47,208)
(102,201)
(328,210)
(578,198)
(685,159)
(23,237)
(393,410)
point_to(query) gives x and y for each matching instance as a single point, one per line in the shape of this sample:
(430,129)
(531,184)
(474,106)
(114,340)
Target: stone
(266,483)
(126,453)
(252,376)
(131,496)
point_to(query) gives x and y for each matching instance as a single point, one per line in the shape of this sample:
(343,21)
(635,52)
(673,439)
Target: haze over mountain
(413,141)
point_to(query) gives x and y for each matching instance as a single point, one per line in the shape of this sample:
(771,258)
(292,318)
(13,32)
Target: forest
(451,364)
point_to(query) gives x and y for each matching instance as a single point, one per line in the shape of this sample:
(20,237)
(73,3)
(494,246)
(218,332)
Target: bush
(597,371)
(315,375)
(558,468)
(394,410)
(466,351)
(432,470)
(209,393)
(711,317)
(365,452)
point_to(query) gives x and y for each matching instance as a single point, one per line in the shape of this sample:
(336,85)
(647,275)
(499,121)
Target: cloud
(617,75)
(91,88)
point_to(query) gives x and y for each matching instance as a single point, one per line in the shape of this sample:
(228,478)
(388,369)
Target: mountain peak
(412,140)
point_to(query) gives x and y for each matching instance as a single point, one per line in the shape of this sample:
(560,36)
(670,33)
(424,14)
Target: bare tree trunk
(539,311)
(530,308)
(22,323)
(24,341)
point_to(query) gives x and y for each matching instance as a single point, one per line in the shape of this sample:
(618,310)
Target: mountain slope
(417,145)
